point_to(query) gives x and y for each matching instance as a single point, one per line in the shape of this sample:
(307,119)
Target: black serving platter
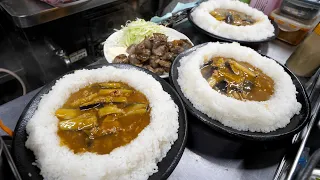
(296,124)
(24,157)
(248,43)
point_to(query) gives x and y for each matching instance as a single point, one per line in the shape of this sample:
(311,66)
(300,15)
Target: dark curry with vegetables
(102,117)
(236,79)
(232,17)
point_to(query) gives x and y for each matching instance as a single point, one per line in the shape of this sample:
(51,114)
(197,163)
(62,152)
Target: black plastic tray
(297,122)
(24,157)
(249,43)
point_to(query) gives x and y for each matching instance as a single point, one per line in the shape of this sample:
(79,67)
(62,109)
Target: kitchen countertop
(227,159)
(208,155)
(28,13)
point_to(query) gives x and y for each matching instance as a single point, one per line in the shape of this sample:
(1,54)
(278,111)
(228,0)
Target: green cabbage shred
(135,31)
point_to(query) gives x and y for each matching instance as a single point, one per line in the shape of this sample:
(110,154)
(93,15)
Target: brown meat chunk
(163,63)
(133,59)
(166,69)
(155,53)
(160,50)
(149,68)
(169,56)
(139,48)
(144,55)
(131,49)
(153,60)
(121,58)
(170,45)
(159,37)
(139,65)
(184,43)
(177,49)
(147,43)
(159,71)
(158,40)
(178,46)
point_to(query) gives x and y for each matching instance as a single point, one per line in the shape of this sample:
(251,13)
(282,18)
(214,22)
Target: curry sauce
(239,80)
(101,117)
(232,17)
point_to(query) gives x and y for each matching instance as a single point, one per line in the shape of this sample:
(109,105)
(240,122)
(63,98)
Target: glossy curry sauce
(232,17)
(236,79)
(102,117)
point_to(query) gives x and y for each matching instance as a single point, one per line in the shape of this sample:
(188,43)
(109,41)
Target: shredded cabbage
(135,31)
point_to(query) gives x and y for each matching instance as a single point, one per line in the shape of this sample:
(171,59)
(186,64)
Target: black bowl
(276,32)
(24,157)
(297,122)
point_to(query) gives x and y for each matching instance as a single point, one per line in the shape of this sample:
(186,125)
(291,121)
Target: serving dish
(113,41)
(276,32)
(297,122)
(24,158)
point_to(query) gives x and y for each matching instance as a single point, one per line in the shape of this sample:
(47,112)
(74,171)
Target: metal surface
(221,158)
(28,13)
(1,147)
(67,4)
(208,155)
(277,50)
(10,160)
(289,163)
(194,165)
(305,136)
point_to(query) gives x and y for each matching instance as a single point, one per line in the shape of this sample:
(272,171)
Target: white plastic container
(292,31)
(301,9)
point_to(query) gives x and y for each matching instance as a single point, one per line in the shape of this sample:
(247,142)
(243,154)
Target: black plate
(276,32)
(24,157)
(297,122)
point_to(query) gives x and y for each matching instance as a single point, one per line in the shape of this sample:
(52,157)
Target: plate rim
(275,25)
(213,124)
(184,120)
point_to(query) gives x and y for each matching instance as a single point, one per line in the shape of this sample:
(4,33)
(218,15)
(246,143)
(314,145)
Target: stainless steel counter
(220,158)
(194,165)
(28,13)
(208,155)
(277,50)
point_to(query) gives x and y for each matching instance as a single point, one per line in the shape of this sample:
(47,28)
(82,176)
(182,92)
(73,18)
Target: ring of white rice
(260,30)
(254,116)
(136,160)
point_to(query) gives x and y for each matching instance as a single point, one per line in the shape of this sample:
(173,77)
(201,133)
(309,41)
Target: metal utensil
(288,165)
(1,147)
(9,159)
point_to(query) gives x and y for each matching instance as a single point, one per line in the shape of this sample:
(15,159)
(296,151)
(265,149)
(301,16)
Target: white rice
(261,30)
(254,116)
(136,160)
